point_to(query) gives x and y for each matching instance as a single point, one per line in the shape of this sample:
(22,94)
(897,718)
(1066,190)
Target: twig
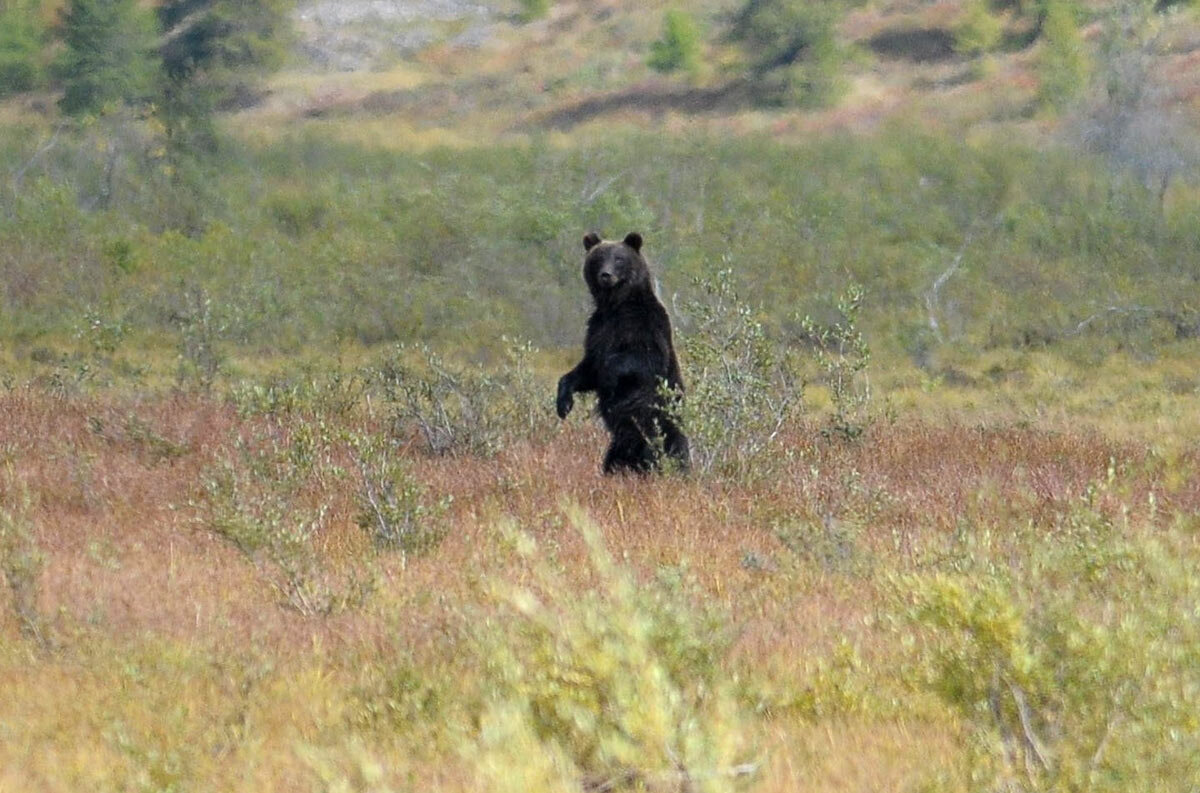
(651,781)
(1119,310)
(19,176)
(934,294)
(1031,739)
(607,183)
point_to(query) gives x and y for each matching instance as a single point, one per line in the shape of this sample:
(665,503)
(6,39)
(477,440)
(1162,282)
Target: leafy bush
(21,41)
(743,386)
(679,47)
(21,561)
(259,500)
(616,689)
(843,356)
(465,409)
(979,31)
(1075,669)
(1062,64)
(534,9)
(394,507)
(210,50)
(201,330)
(793,49)
(108,54)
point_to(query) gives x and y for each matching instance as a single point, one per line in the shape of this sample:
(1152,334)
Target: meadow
(284,504)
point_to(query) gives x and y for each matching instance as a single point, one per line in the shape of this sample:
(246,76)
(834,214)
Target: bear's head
(614,269)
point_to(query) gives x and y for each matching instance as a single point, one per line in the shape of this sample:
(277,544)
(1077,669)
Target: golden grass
(171,662)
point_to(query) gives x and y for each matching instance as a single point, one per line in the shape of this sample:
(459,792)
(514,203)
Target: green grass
(307,242)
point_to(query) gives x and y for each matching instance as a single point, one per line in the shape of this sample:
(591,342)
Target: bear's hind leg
(629,451)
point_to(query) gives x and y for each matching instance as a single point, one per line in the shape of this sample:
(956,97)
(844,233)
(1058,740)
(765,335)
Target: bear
(628,355)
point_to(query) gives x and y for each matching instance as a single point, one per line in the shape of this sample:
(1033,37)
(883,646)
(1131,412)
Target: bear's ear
(634,240)
(590,240)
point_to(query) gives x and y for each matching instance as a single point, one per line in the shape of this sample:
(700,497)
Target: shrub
(201,329)
(1075,669)
(843,356)
(394,508)
(1062,64)
(259,500)
(465,409)
(743,386)
(979,31)
(108,55)
(618,688)
(21,562)
(534,9)
(792,47)
(21,40)
(679,47)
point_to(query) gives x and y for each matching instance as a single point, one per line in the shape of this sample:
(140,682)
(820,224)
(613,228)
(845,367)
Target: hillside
(449,71)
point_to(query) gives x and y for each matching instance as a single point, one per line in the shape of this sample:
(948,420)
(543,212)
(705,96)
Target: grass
(284,506)
(174,662)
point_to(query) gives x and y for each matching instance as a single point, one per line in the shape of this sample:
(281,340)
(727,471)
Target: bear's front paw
(566,399)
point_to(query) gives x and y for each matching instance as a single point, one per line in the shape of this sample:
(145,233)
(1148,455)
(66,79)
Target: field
(284,504)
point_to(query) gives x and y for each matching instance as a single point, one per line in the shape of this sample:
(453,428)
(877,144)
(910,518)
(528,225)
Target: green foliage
(534,9)
(1075,669)
(21,560)
(22,38)
(979,31)
(678,49)
(210,51)
(459,247)
(843,356)
(465,409)
(200,335)
(259,498)
(743,386)
(108,56)
(1062,64)
(792,47)
(617,689)
(394,507)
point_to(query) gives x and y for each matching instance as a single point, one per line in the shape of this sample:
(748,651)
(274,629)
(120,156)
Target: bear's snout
(606,278)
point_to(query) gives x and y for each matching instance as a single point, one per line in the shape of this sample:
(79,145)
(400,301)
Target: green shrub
(258,497)
(394,507)
(465,409)
(21,42)
(618,688)
(534,9)
(843,356)
(979,31)
(21,561)
(743,387)
(1062,64)
(1075,668)
(792,47)
(108,55)
(678,49)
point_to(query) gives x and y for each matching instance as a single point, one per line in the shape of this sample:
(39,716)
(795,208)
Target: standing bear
(627,356)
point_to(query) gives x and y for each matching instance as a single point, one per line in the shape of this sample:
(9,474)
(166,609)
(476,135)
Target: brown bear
(627,357)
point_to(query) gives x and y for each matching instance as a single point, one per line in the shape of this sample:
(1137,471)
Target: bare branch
(19,176)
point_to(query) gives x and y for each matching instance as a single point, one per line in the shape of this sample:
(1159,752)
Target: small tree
(534,9)
(211,50)
(108,55)
(979,31)
(1062,64)
(21,39)
(792,48)
(679,47)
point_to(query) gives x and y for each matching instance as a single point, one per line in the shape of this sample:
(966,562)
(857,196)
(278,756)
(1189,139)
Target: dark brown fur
(628,354)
